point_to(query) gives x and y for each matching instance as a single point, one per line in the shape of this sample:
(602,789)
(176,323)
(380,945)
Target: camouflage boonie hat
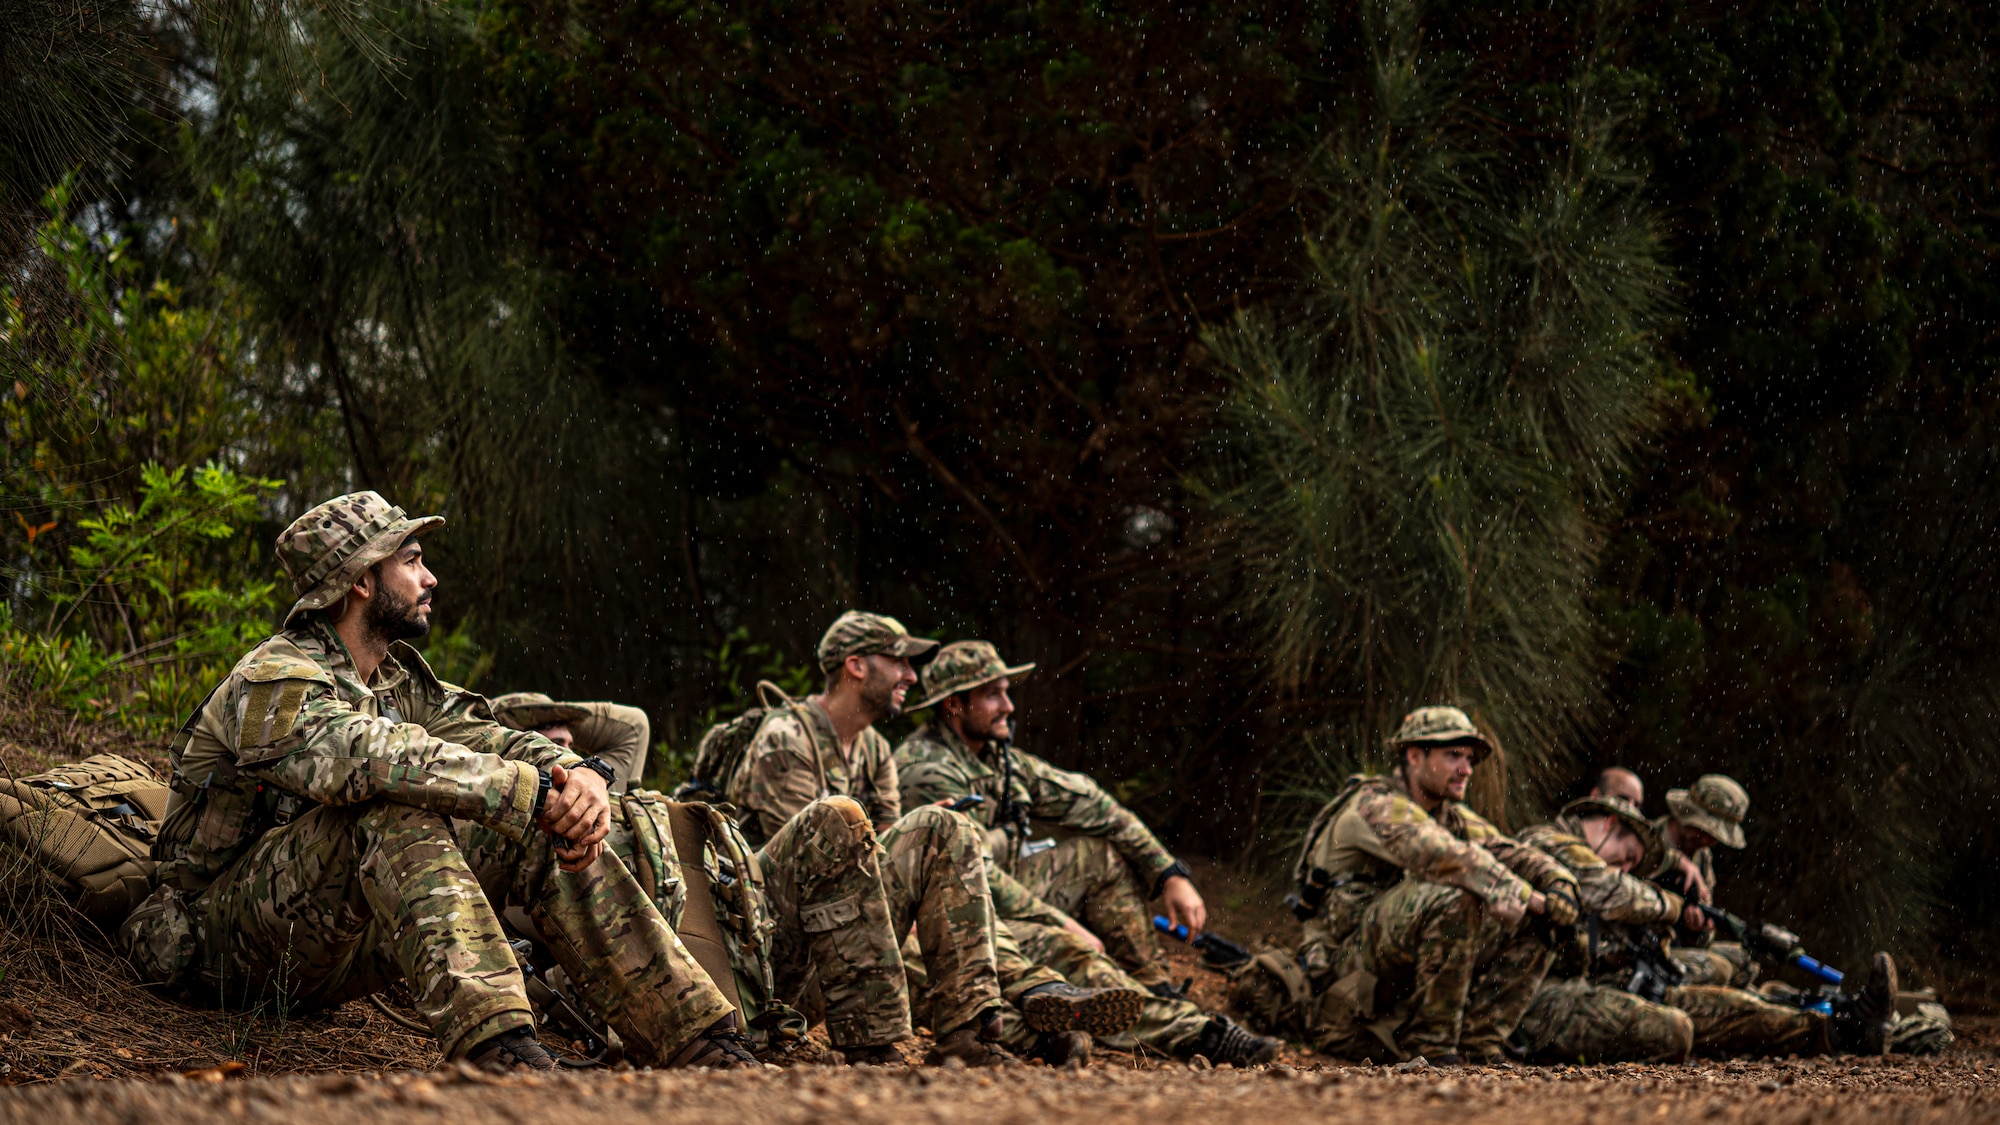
(1716,804)
(962,666)
(868,634)
(1439,726)
(531,710)
(1629,815)
(326,549)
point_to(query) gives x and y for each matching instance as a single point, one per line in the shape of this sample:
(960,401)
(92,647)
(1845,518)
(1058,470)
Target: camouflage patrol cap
(1440,726)
(1628,814)
(962,666)
(326,549)
(531,710)
(1716,804)
(867,634)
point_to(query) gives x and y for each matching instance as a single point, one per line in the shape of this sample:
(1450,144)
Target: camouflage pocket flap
(828,916)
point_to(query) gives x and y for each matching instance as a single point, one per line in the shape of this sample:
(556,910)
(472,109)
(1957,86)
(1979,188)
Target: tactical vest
(1335,878)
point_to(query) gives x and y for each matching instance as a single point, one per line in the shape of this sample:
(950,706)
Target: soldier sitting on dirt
(1099,869)
(1102,864)
(613,733)
(309,854)
(1413,907)
(932,865)
(1600,839)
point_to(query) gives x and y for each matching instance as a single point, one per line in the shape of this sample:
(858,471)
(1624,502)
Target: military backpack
(722,748)
(91,826)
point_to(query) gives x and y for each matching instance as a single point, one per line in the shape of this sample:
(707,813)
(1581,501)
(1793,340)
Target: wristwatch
(1179,868)
(597,766)
(541,793)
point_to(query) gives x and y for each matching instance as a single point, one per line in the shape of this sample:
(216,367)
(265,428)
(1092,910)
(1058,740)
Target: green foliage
(131,586)
(1420,447)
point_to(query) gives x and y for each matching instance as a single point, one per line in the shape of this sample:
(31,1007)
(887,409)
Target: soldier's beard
(878,694)
(396,619)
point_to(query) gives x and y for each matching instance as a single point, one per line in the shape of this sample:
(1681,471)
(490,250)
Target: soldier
(309,850)
(1093,872)
(1619,782)
(1414,902)
(1587,1012)
(1600,839)
(613,733)
(1707,813)
(1102,865)
(934,871)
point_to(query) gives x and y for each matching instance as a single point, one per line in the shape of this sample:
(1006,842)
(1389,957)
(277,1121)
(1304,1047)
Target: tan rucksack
(91,824)
(693,862)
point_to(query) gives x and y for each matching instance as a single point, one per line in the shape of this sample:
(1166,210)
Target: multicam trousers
(341,901)
(1736,1021)
(935,876)
(824,887)
(1086,878)
(1575,1020)
(1463,977)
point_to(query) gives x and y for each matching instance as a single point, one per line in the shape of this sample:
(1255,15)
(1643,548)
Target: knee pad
(852,816)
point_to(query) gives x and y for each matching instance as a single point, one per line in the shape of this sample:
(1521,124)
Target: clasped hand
(577,814)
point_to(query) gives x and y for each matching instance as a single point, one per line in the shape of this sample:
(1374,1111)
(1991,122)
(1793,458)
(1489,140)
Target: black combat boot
(1876,1006)
(512,1050)
(721,1047)
(1224,1041)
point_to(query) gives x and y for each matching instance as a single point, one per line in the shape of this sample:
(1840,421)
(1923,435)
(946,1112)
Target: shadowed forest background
(1626,373)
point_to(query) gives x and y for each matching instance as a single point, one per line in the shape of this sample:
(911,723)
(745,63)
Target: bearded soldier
(1095,869)
(613,733)
(1100,866)
(933,868)
(341,818)
(1600,839)
(1413,907)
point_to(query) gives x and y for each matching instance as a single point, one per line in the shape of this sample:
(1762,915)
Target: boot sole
(1102,1014)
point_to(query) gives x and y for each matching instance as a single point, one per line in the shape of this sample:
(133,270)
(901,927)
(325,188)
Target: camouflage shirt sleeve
(927,778)
(779,775)
(1535,867)
(1604,890)
(1079,804)
(1422,846)
(304,738)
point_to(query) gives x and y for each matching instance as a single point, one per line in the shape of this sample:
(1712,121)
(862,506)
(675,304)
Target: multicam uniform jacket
(935,764)
(1375,833)
(1615,898)
(795,759)
(292,726)
(1602,889)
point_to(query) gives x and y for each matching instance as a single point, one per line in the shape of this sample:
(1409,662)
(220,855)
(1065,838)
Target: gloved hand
(1563,907)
